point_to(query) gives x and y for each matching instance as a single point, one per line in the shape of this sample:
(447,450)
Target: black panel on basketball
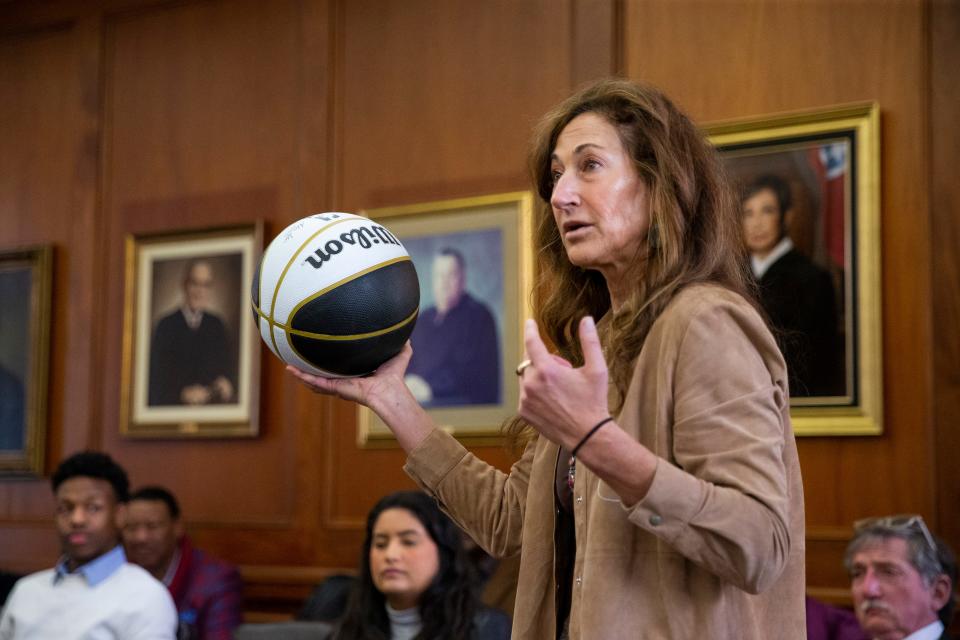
(372,302)
(351,357)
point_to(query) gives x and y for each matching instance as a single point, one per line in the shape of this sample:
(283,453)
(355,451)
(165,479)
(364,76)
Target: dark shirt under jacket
(491,624)
(458,356)
(181,357)
(798,296)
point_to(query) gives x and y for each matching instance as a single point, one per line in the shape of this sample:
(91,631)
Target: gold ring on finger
(523,365)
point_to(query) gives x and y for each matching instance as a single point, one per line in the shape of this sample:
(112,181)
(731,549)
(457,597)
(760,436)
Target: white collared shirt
(760,265)
(192,317)
(172,567)
(932,631)
(105,599)
(95,571)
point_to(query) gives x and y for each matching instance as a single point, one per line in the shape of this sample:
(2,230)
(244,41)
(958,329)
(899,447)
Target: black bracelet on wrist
(583,440)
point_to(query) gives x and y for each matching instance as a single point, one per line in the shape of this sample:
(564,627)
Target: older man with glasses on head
(902,579)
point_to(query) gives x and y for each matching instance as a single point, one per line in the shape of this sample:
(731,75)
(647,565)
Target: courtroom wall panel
(435,100)
(48,167)
(944,136)
(200,131)
(728,60)
(191,115)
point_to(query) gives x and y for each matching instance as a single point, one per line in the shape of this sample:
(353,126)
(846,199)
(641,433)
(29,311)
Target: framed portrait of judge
(474,266)
(808,188)
(25,289)
(190,353)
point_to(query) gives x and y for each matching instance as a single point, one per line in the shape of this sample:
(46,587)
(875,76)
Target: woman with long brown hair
(659,495)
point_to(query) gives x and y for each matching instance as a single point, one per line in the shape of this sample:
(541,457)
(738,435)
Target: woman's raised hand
(560,401)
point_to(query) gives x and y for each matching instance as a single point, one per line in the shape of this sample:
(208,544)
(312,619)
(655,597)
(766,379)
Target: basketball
(335,295)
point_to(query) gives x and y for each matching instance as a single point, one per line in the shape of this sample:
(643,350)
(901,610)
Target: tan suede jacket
(716,547)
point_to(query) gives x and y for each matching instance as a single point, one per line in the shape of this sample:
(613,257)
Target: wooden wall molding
(944,140)
(596,36)
(837,596)
(830,534)
(287,574)
(273,593)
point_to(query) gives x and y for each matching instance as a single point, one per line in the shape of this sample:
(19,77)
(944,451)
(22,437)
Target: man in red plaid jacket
(207,591)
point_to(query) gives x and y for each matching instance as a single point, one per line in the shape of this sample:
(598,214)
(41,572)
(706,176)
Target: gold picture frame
(26,275)
(488,237)
(191,355)
(828,163)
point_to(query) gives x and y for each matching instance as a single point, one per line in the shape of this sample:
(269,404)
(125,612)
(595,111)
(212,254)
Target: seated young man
(92,592)
(207,591)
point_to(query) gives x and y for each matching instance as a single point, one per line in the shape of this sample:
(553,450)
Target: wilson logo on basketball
(364,237)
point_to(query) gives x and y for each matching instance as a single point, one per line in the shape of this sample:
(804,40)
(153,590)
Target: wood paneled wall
(134,116)
(944,150)
(730,59)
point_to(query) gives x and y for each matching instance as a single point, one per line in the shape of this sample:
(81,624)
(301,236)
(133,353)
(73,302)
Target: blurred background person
(191,360)
(206,591)
(93,592)
(456,353)
(797,295)
(328,600)
(902,579)
(415,579)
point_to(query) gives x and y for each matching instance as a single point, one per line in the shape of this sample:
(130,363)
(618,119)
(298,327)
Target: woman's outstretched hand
(383,391)
(363,389)
(560,401)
